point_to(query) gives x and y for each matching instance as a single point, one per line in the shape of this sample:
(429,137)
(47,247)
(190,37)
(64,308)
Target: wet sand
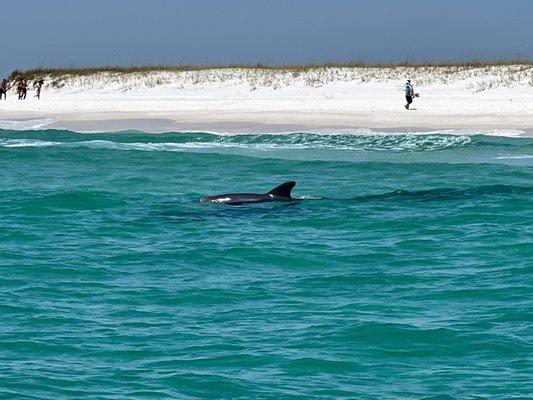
(278,122)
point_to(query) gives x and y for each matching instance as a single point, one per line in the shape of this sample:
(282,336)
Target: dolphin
(279,193)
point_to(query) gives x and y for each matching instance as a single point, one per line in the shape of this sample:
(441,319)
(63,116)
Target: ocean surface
(405,271)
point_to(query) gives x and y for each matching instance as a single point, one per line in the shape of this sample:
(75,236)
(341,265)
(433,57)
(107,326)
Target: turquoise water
(404,273)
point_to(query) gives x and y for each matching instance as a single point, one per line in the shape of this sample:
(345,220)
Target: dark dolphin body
(279,193)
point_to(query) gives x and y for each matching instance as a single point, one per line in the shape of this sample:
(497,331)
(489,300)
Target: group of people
(22,88)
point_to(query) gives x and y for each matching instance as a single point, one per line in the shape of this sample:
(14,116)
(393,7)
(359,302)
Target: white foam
(27,143)
(359,132)
(375,142)
(472,132)
(322,131)
(309,197)
(514,157)
(506,132)
(26,124)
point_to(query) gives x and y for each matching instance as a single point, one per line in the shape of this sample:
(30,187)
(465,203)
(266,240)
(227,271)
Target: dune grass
(55,72)
(477,75)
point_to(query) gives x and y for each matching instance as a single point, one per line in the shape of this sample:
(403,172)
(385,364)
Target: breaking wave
(297,141)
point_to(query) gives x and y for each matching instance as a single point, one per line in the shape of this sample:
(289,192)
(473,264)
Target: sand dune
(240,99)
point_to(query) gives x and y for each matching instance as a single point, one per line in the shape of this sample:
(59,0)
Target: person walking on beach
(19,88)
(4,89)
(409,93)
(22,88)
(37,85)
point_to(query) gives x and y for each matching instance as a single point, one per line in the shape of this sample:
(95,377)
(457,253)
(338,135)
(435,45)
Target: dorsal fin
(283,191)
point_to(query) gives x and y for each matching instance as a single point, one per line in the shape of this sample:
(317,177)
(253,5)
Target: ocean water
(405,271)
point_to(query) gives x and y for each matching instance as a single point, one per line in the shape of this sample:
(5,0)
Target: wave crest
(395,142)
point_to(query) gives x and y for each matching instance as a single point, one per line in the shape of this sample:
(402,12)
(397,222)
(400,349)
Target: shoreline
(275,122)
(332,99)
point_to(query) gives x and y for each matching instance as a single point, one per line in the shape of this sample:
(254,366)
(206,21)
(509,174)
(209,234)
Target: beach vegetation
(478,75)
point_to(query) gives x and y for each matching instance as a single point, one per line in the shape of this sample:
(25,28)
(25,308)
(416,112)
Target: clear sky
(123,32)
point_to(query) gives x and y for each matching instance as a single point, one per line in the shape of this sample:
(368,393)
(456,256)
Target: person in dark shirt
(3,89)
(21,88)
(24,88)
(409,93)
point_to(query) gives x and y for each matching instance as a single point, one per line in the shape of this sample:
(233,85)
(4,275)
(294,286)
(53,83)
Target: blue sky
(97,32)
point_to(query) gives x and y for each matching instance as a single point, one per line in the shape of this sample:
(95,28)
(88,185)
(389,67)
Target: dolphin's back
(281,192)
(235,198)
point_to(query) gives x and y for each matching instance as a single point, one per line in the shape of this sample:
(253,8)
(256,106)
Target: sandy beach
(498,99)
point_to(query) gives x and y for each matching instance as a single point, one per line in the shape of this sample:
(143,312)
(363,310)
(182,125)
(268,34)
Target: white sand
(498,99)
